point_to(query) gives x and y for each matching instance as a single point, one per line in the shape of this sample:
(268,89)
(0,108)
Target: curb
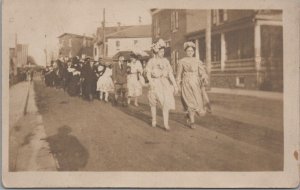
(41,158)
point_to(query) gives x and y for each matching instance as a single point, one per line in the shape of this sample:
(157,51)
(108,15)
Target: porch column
(223,52)
(197,49)
(257,47)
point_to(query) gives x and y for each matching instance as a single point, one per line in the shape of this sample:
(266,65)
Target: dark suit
(120,80)
(120,73)
(87,75)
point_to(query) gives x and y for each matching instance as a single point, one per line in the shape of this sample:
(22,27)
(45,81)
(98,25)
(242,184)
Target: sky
(38,23)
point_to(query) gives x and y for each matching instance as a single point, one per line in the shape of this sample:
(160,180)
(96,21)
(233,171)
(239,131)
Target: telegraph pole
(208,45)
(103,34)
(46,49)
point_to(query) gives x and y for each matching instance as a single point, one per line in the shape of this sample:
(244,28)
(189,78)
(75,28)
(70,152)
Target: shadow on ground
(70,154)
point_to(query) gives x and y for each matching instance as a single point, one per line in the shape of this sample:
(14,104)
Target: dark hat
(133,55)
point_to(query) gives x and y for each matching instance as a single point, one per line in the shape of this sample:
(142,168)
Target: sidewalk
(253,93)
(27,150)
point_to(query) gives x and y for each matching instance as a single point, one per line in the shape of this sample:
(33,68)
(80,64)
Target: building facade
(12,62)
(129,39)
(71,45)
(22,54)
(172,25)
(100,45)
(246,45)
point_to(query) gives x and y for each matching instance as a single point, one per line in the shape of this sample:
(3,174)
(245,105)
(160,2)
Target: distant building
(99,45)
(122,38)
(12,62)
(246,45)
(135,37)
(71,45)
(22,54)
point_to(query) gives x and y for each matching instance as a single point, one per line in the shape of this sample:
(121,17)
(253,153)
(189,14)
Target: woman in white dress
(105,84)
(192,78)
(162,84)
(134,79)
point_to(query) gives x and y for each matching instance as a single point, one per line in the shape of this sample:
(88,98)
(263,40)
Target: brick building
(172,26)
(246,45)
(71,45)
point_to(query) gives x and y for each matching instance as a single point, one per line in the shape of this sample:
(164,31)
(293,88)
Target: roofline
(144,25)
(114,37)
(155,11)
(77,35)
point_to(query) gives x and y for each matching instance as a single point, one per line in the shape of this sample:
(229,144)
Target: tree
(31,60)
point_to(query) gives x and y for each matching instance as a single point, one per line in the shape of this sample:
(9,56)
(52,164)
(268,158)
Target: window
(216,48)
(240,44)
(84,42)
(61,43)
(168,43)
(240,81)
(135,42)
(95,51)
(70,42)
(174,21)
(219,16)
(222,15)
(157,28)
(118,43)
(214,16)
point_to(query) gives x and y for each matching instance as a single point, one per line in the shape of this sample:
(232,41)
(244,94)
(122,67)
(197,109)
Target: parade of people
(96,87)
(125,79)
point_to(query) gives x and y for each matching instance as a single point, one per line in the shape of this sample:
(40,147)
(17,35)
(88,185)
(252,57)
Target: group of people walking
(191,78)
(126,79)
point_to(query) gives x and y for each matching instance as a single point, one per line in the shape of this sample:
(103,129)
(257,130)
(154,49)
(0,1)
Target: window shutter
(225,16)
(171,21)
(176,19)
(214,17)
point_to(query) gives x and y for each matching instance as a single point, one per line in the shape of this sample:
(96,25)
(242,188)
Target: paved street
(95,136)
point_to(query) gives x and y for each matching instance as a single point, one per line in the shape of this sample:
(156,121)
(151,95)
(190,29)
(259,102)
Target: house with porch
(246,45)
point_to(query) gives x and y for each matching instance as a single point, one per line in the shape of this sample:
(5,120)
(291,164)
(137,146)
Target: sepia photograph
(106,87)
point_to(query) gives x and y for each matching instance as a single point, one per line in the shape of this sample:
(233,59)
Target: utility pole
(208,45)
(46,49)
(16,64)
(103,34)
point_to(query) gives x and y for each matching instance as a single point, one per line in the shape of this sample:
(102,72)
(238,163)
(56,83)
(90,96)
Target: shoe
(192,125)
(208,108)
(188,121)
(167,128)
